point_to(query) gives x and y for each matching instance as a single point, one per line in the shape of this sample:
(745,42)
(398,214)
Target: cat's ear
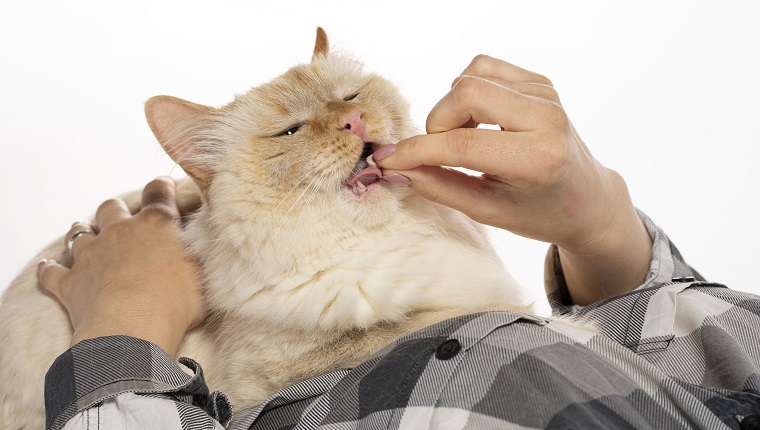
(176,123)
(321,46)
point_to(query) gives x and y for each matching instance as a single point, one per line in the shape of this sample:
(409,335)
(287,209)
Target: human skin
(539,178)
(134,278)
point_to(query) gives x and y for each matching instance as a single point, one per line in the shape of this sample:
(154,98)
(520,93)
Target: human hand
(539,179)
(131,276)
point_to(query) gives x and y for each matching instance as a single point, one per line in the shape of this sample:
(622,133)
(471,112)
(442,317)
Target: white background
(664,92)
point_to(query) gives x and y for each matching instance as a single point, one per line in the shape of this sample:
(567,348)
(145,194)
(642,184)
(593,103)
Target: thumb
(468,194)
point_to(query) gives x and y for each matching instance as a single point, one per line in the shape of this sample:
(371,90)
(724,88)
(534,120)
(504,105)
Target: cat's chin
(376,205)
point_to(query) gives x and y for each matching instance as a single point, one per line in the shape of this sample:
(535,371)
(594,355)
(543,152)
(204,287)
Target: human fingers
(110,212)
(489,67)
(78,236)
(480,100)
(159,197)
(471,195)
(511,76)
(520,157)
(542,91)
(50,275)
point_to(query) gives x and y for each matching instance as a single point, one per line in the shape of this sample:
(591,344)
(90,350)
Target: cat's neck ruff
(314,271)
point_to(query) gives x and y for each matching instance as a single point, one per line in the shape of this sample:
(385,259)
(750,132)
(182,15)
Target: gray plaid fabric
(98,369)
(677,353)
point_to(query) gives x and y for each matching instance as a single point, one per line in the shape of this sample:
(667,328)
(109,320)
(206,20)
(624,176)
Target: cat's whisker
(287,214)
(312,194)
(314,178)
(288,193)
(315,173)
(310,198)
(314,184)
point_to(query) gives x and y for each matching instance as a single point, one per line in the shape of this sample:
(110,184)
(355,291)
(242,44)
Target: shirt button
(684,279)
(751,422)
(448,349)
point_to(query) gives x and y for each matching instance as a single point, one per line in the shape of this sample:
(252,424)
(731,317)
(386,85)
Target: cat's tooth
(358,188)
(371,160)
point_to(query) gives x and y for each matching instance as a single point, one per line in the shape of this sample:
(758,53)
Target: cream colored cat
(311,261)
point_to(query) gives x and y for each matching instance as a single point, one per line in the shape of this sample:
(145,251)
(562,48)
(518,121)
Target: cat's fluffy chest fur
(331,276)
(310,262)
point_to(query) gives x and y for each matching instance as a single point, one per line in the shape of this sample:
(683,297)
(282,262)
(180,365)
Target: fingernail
(384,151)
(397,178)
(42,263)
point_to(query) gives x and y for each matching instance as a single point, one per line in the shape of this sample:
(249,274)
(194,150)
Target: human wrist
(614,254)
(166,331)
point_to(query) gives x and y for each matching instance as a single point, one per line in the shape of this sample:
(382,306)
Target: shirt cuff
(666,266)
(97,369)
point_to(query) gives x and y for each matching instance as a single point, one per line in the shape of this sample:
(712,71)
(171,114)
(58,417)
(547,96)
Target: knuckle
(541,79)
(456,80)
(553,115)
(115,232)
(480,64)
(108,205)
(153,194)
(159,188)
(156,214)
(467,89)
(559,116)
(159,184)
(546,92)
(459,142)
(550,163)
(552,92)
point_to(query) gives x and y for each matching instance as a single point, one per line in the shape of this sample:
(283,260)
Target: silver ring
(70,243)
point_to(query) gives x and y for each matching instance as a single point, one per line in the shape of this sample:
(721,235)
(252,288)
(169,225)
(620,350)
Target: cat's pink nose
(353,121)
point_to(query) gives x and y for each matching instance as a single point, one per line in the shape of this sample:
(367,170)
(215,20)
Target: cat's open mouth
(365,172)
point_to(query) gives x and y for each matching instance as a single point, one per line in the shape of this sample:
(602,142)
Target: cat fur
(301,275)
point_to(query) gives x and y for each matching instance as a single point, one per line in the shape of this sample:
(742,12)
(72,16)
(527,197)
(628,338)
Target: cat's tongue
(361,180)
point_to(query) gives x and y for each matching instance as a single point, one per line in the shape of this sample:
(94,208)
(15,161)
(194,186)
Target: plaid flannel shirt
(678,352)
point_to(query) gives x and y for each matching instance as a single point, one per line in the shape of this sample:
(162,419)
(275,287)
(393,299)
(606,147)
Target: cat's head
(298,141)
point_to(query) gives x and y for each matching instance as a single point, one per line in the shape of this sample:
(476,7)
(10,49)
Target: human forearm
(613,262)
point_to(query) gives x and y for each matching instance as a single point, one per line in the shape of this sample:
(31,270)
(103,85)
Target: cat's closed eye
(292,130)
(351,97)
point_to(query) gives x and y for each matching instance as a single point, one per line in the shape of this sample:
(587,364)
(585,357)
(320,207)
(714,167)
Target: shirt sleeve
(667,265)
(88,385)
